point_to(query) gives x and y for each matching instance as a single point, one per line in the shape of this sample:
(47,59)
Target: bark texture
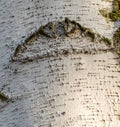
(53,71)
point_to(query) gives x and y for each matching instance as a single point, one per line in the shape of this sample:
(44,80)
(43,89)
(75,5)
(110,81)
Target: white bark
(73,90)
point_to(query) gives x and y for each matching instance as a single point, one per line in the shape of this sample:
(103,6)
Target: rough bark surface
(60,74)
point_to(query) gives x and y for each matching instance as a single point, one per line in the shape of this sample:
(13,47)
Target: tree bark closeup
(58,64)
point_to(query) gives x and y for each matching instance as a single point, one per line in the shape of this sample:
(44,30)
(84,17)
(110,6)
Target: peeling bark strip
(53,30)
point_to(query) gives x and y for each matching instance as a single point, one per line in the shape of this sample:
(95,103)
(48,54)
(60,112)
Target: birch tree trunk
(61,74)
